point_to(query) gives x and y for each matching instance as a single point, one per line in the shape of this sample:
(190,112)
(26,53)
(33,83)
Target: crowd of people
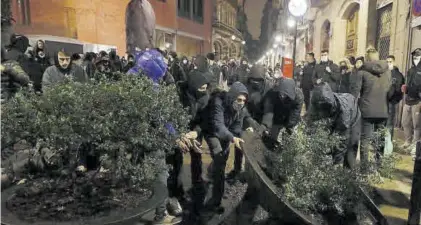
(226,97)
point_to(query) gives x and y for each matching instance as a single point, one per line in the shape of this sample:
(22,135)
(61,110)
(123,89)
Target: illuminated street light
(278,38)
(243,42)
(167,45)
(233,37)
(275,45)
(291,22)
(297,7)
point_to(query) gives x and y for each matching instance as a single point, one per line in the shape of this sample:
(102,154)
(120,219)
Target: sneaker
(174,207)
(167,220)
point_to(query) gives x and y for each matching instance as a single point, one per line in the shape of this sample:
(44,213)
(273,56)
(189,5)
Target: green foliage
(302,167)
(122,122)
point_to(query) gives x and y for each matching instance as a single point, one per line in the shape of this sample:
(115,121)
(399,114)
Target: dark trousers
(219,153)
(238,160)
(391,119)
(175,186)
(370,126)
(307,97)
(198,185)
(352,145)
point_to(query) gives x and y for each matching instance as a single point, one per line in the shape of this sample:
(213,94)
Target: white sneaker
(174,207)
(167,220)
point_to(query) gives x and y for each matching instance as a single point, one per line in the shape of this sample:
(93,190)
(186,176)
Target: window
(24,12)
(191,9)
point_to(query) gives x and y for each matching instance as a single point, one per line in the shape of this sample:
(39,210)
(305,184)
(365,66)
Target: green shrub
(302,168)
(123,123)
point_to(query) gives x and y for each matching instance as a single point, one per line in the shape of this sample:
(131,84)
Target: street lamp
(297,8)
(291,22)
(278,38)
(275,45)
(167,45)
(233,37)
(243,42)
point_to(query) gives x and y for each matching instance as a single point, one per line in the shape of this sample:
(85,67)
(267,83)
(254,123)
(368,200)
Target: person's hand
(237,142)
(191,135)
(182,145)
(250,129)
(328,69)
(197,147)
(403,88)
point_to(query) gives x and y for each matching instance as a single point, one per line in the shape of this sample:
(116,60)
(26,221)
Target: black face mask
(200,94)
(256,85)
(284,98)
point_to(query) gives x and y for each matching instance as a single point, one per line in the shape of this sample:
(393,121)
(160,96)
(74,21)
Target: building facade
(182,25)
(227,39)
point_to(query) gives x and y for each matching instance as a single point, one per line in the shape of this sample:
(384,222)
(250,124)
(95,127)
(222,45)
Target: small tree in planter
(120,127)
(302,168)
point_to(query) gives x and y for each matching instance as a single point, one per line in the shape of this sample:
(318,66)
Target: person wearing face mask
(396,92)
(215,79)
(227,112)
(62,70)
(341,110)
(412,108)
(327,71)
(282,108)
(372,83)
(130,63)
(242,72)
(347,74)
(307,78)
(185,64)
(175,68)
(359,62)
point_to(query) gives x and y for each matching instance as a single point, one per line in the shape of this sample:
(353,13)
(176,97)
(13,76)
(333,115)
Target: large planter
(116,217)
(270,196)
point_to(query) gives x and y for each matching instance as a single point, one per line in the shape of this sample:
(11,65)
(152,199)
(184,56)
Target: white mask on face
(324,58)
(185,61)
(390,66)
(417,60)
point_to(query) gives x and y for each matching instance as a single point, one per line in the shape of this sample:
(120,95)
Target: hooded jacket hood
(56,63)
(257,72)
(236,89)
(196,80)
(20,42)
(323,98)
(202,64)
(376,68)
(286,86)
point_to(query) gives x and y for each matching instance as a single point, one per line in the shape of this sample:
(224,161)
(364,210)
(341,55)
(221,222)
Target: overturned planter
(269,194)
(115,217)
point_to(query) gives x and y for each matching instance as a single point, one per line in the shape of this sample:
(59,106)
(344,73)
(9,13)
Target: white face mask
(417,60)
(324,58)
(185,61)
(390,66)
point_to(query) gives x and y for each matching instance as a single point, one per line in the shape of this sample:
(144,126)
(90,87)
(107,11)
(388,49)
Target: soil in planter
(76,198)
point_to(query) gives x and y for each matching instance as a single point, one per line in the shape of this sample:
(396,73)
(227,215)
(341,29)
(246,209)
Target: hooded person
(88,64)
(344,116)
(348,73)
(373,82)
(18,46)
(12,77)
(175,68)
(282,108)
(130,63)
(227,112)
(115,61)
(242,72)
(62,70)
(411,111)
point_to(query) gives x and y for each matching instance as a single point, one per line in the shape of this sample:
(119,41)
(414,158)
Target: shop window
(198,10)
(184,8)
(24,11)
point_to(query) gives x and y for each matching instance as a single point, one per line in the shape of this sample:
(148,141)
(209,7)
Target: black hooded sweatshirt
(413,89)
(373,82)
(396,89)
(257,86)
(285,112)
(224,122)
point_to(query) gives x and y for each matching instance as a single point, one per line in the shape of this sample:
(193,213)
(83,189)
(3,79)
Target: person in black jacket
(175,68)
(242,72)
(115,61)
(348,73)
(88,64)
(282,108)
(185,64)
(342,110)
(396,96)
(227,113)
(41,55)
(307,79)
(411,121)
(327,71)
(35,71)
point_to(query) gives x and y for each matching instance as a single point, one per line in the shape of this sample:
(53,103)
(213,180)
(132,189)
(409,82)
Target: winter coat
(373,82)
(177,71)
(332,78)
(89,68)
(224,122)
(257,86)
(396,89)
(308,74)
(345,106)
(12,78)
(345,82)
(36,72)
(53,75)
(413,83)
(44,62)
(287,114)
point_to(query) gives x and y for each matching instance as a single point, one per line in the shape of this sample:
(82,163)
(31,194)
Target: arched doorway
(325,36)
(233,51)
(351,17)
(217,47)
